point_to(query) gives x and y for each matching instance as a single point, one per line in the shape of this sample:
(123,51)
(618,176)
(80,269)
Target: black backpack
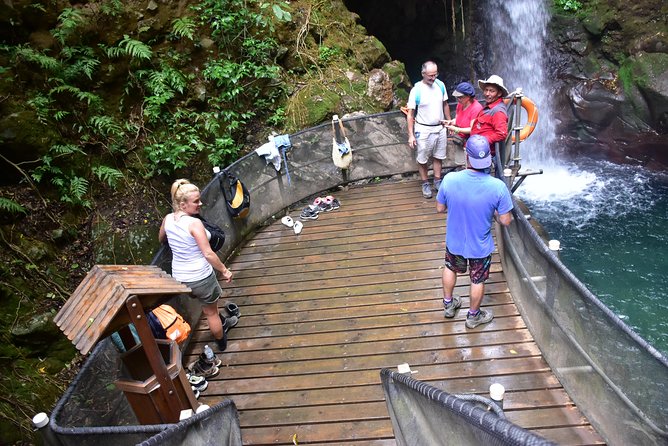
(217,239)
(236,195)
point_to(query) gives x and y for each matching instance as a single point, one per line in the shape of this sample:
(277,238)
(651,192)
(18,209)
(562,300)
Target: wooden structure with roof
(110,298)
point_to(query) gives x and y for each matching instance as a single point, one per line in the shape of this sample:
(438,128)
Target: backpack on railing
(237,197)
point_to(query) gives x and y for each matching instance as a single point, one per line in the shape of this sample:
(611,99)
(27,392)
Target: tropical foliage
(169,114)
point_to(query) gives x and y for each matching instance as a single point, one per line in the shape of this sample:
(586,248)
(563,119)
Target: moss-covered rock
(312,105)
(649,72)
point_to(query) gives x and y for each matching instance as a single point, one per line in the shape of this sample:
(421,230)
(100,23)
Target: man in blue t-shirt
(473,200)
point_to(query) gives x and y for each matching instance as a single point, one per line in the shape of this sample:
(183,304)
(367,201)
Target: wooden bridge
(357,291)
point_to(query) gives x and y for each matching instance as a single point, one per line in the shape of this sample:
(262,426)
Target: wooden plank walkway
(359,290)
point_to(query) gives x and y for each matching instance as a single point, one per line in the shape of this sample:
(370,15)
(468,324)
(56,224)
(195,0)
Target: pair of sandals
(296,226)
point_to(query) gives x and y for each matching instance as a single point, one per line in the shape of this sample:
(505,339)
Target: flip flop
(287,221)
(298,227)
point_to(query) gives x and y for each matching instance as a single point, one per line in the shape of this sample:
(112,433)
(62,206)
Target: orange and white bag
(175,326)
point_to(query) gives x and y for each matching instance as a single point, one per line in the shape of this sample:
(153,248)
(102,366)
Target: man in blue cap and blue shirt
(473,199)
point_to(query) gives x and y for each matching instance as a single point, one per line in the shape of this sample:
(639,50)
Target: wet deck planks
(358,290)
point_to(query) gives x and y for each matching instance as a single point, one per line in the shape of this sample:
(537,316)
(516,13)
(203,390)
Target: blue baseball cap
(464,89)
(477,148)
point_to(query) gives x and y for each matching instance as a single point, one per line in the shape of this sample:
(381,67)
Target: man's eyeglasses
(431,74)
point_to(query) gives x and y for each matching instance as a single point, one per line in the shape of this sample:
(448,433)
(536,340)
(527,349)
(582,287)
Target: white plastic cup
(507,172)
(554,245)
(40,420)
(496,392)
(404,368)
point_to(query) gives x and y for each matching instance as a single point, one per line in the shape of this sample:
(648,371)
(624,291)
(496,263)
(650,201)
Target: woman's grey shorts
(206,290)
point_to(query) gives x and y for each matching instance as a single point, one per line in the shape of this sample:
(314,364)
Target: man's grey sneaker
(229,322)
(437,183)
(232,309)
(451,308)
(483,317)
(426,190)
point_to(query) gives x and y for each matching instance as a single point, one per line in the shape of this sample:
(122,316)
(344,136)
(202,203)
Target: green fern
(112,8)
(45,62)
(68,22)
(59,115)
(130,47)
(184,27)
(74,190)
(90,98)
(11,206)
(65,149)
(80,61)
(106,126)
(42,106)
(108,175)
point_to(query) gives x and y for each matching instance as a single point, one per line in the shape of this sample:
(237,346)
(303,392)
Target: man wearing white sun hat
(492,122)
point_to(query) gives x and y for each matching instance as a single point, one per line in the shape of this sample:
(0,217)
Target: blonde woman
(193,260)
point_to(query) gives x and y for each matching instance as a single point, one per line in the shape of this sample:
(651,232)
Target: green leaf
(108,175)
(184,27)
(11,206)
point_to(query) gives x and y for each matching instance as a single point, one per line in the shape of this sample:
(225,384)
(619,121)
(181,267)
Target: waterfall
(516,36)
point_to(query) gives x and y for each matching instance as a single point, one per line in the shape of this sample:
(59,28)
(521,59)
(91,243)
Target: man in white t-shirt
(427,111)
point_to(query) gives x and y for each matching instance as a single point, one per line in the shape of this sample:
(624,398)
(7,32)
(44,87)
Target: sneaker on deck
(309,213)
(232,309)
(426,190)
(333,202)
(451,308)
(322,205)
(197,382)
(483,317)
(203,368)
(203,359)
(229,322)
(437,183)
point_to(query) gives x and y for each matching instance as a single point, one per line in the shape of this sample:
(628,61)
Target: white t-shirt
(188,261)
(430,109)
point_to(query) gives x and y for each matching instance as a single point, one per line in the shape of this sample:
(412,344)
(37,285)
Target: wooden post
(169,404)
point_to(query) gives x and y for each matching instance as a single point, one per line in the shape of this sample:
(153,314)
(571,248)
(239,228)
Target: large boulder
(380,88)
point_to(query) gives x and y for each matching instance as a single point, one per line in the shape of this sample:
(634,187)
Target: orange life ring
(532,118)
